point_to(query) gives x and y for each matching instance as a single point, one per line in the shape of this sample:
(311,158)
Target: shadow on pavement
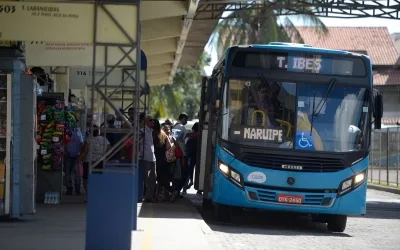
(271,223)
(383,210)
(180,209)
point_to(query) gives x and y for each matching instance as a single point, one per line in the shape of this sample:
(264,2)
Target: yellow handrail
(254,113)
(287,124)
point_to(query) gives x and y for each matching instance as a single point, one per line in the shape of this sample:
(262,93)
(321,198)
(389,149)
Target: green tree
(183,95)
(260,26)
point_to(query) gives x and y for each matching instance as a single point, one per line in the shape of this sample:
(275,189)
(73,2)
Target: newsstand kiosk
(17,135)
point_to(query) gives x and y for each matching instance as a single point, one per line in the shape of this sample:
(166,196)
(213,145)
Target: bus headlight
(232,175)
(224,168)
(351,183)
(359,178)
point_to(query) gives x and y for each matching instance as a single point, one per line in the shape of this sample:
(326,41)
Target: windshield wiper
(317,111)
(322,102)
(266,84)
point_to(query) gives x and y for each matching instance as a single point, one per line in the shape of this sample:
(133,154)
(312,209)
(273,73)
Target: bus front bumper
(227,193)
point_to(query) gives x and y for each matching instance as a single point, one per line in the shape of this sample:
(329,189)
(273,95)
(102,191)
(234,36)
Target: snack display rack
(51,126)
(50,139)
(55,123)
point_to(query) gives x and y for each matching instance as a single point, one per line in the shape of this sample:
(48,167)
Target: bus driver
(262,101)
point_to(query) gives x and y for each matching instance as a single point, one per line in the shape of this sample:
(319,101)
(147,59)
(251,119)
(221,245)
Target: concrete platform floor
(161,226)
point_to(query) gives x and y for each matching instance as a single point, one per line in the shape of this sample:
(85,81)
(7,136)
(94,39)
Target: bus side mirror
(378,110)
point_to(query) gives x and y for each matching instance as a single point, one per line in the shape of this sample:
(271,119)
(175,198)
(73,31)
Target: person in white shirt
(147,157)
(180,133)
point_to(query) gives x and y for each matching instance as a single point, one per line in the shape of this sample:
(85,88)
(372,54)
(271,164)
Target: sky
(392,25)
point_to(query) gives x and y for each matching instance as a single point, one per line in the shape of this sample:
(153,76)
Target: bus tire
(337,223)
(207,204)
(221,213)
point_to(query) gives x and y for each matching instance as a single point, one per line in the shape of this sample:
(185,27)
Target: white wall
(396,38)
(391,100)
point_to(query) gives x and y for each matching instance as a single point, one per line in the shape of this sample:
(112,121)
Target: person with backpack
(72,152)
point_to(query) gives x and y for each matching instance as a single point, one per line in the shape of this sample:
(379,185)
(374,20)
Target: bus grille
(311,199)
(308,164)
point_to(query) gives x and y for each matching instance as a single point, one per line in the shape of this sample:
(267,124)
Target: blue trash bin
(138,177)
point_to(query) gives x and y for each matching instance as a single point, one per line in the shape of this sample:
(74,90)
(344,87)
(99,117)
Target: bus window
(266,108)
(340,121)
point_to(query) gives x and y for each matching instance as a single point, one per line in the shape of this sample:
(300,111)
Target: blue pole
(135,199)
(140,184)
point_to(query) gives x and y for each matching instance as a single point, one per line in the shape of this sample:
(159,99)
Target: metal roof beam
(191,11)
(333,8)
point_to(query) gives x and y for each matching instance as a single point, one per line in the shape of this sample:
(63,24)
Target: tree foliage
(183,95)
(260,26)
(251,26)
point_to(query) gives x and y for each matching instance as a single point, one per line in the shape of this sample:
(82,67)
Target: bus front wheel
(207,204)
(221,212)
(337,223)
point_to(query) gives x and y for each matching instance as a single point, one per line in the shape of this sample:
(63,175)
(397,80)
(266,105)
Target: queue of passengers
(167,155)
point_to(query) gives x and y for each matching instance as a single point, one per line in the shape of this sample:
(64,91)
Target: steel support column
(112,194)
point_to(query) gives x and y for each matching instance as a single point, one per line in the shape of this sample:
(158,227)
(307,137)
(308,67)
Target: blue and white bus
(287,127)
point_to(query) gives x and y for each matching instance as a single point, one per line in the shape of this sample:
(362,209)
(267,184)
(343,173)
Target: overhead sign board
(46,54)
(43,54)
(66,22)
(80,77)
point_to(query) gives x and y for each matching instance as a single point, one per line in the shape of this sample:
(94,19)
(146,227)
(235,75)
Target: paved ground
(180,227)
(380,229)
(62,227)
(173,226)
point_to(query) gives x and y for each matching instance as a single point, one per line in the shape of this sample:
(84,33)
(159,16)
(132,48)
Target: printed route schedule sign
(65,22)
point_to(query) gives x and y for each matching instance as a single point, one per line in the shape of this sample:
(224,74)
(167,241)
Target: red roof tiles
(387,77)
(376,41)
(390,121)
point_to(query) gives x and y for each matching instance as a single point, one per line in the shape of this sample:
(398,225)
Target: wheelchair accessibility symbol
(304,142)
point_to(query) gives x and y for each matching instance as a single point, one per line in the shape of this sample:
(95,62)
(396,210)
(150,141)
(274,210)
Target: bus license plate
(293,199)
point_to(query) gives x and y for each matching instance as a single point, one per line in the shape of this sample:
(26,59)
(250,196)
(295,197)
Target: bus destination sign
(300,63)
(259,134)
(308,63)
(327,64)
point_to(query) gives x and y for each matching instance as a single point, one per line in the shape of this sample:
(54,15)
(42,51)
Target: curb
(384,188)
(208,233)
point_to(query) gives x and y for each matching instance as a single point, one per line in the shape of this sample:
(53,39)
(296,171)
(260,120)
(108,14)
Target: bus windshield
(301,116)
